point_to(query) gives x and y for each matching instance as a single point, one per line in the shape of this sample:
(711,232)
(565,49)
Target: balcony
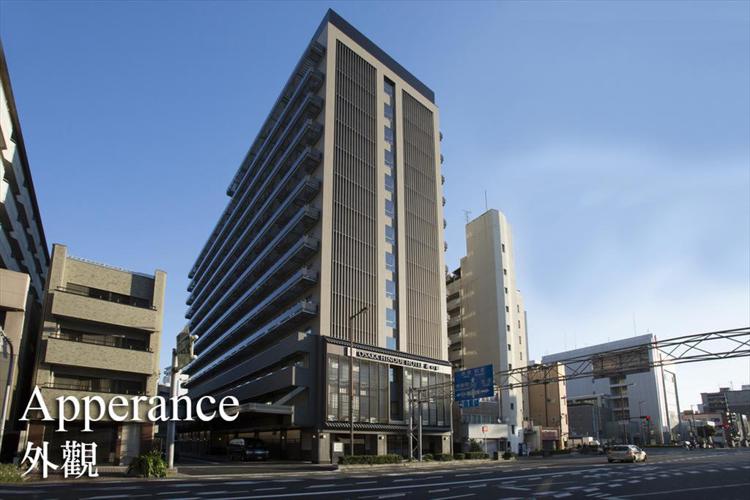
(290,318)
(454,321)
(454,304)
(100,356)
(72,305)
(297,131)
(299,145)
(271,188)
(295,285)
(266,271)
(271,235)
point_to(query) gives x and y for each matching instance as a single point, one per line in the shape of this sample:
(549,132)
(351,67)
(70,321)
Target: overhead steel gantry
(709,346)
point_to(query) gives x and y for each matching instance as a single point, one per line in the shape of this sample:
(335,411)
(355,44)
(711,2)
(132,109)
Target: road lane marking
(403,479)
(269,489)
(478,486)
(439,491)
(456,496)
(390,488)
(365,482)
(683,490)
(320,486)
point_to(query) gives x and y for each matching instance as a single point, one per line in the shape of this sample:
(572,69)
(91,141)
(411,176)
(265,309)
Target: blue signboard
(474,383)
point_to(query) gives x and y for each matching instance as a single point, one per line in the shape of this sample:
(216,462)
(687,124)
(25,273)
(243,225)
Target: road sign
(474,383)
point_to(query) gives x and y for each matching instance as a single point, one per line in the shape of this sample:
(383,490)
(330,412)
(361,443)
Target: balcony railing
(294,228)
(287,318)
(292,286)
(307,110)
(106,295)
(118,342)
(306,136)
(275,267)
(84,387)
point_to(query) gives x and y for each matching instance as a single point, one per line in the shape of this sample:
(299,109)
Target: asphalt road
(677,474)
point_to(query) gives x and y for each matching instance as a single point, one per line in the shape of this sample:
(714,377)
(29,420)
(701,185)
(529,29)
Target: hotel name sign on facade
(397,360)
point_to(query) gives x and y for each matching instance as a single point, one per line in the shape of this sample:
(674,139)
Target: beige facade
(14,288)
(337,208)
(487,322)
(24,257)
(548,406)
(101,336)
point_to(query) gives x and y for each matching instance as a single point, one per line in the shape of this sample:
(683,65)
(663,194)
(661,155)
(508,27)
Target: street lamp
(6,396)
(351,379)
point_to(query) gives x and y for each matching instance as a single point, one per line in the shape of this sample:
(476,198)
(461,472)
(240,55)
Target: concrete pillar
(322,448)
(382,444)
(446,444)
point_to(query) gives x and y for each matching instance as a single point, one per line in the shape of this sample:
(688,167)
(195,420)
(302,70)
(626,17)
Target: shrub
(149,464)
(459,456)
(427,457)
(536,453)
(508,455)
(9,473)
(475,446)
(476,455)
(369,459)
(564,451)
(443,457)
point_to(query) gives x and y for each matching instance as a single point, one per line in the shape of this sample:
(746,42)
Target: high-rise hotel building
(337,209)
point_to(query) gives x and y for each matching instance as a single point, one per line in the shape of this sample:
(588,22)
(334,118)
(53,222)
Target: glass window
(390,262)
(390,318)
(389,182)
(388,110)
(390,343)
(390,208)
(390,235)
(396,382)
(389,158)
(388,134)
(390,289)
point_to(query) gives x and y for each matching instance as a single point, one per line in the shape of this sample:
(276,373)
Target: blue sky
(615,137)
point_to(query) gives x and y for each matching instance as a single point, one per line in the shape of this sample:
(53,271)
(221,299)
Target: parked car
(626,453)
(247,449)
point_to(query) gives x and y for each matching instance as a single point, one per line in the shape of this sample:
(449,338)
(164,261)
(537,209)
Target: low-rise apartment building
(100,336)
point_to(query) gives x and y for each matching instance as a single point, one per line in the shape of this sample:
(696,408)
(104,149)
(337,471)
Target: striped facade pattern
(354,223)
(423,273)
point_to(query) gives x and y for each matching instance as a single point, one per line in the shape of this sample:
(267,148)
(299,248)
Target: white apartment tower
(492,324)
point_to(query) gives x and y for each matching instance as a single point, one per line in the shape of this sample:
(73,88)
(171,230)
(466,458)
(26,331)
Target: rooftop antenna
(485,201)
(467,215)
(634,327)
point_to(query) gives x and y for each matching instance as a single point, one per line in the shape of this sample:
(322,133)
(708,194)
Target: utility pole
(351,379)
(8,386)
(173,389)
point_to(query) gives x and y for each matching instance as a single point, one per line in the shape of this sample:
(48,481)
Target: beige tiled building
(487,326)
(100,336)
(548,406)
